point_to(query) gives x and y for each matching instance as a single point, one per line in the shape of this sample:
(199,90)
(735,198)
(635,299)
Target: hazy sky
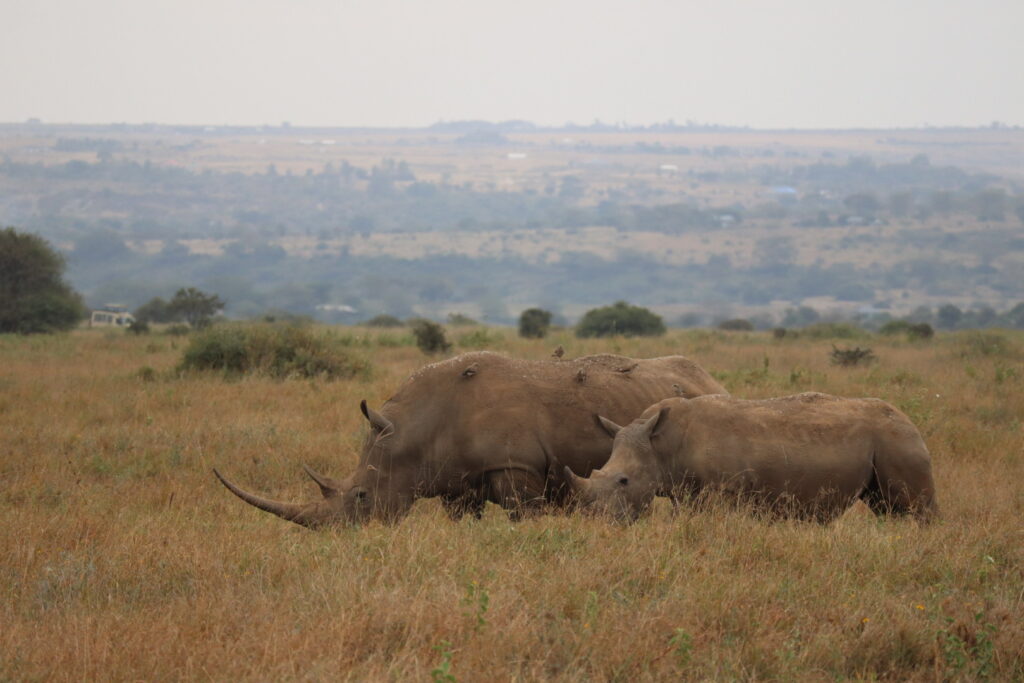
(786,63)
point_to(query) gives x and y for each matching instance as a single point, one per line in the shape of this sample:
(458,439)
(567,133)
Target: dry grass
(123,558)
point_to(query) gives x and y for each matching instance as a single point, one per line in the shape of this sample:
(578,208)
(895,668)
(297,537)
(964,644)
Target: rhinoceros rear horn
(379,422)
(328,487)
(576,483)
(608,426)
(300,514)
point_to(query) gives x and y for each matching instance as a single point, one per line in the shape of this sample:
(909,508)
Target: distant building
(111,315)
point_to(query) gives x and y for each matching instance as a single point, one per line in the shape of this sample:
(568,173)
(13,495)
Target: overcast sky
(787,63)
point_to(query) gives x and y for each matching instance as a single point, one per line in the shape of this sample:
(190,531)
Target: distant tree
(736,325)
(1014,317)
(948,317)
(33,295)
(534,323)
(458,319)
(691,319)
(990,204)
(156,310)
(196,307)
(942,202)
(921,314)
(620,318)
(863,204)
(901,204)
(800,317)
(384,320)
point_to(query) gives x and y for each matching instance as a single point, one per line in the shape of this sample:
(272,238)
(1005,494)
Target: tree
(620,318)
(33,295)
(534,323)
(195,307)
(156,310)
(736,325)
(948,316)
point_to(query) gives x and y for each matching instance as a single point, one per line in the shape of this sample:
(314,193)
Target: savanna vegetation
(122,558)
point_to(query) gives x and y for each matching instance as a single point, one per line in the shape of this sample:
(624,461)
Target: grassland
(121,557)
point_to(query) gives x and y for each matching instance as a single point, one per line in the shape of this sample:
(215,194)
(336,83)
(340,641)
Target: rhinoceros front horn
(379,422)
(300,514)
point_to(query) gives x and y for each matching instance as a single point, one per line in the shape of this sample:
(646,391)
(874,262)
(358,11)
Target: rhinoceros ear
(608,426)
(651,425)
(378,421)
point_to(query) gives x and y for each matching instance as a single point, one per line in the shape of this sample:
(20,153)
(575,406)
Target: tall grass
(122,558)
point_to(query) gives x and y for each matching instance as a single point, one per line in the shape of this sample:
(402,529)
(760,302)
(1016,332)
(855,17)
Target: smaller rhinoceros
(809,456)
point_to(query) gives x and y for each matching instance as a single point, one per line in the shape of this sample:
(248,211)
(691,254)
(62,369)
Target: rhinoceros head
(628,482)
(373,491)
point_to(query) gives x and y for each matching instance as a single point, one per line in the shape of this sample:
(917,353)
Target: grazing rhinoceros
(808,456)
(482,427)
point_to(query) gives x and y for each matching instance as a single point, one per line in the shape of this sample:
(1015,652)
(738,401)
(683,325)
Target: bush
(912,330)
(620,318)
(894,327)
(430,336)
(736,325)
(534,323)
(479,339)
(278,351)
(384,320)
(850,357)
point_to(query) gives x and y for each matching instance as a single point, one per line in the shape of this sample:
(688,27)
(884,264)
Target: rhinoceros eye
(623,481)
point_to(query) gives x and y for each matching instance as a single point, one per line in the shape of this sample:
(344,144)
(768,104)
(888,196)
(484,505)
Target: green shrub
(894,327)
(278,351)
(620,318)
(384,320)
(430,336)
(479,339)
(460,320)
(736,325)
(833,331)
(138,327)
(912,330)
(534,323)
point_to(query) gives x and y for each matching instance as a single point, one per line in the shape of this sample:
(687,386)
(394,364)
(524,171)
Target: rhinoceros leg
(520,492)
(467,503)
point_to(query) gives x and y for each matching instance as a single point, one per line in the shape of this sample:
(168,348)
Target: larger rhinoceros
(481,426)
(809,456)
